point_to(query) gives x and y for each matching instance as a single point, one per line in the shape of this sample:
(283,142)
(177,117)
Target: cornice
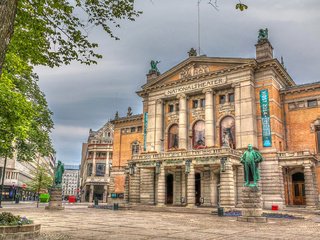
(128,119)
(302,88)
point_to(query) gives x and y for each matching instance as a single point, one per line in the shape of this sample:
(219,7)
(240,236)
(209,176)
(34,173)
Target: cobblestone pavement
(80,222)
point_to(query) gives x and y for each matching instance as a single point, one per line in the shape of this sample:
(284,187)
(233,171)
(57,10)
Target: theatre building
(200,116)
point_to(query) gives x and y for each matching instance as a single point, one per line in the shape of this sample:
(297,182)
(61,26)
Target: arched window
(135,147)
(173,137)
(227,132)
(198,139)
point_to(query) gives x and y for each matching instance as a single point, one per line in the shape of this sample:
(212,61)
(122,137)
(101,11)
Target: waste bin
(115,206)
(220,211)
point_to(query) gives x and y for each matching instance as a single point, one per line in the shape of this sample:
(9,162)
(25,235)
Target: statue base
(251,206)
(55,199)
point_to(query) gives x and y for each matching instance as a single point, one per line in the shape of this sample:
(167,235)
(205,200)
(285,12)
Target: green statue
(154,68)
(263,34)
(250,160)
(59,170)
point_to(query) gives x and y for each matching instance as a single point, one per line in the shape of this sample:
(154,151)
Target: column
(309,186)
(94,164)
(105,194)
(107,164)
(182,121)
(159,125)
(237,113)
(227,196)
(209,123)
(126,189)
(183,187)
(161,186)
(191,188)
(91,193)
(213,188)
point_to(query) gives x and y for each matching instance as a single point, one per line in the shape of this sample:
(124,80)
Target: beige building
(96,162)
(199,117)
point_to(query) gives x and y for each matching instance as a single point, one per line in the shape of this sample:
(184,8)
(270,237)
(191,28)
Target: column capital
(234,85)
(207,90)
(159,101)
(181,96)
(307,166)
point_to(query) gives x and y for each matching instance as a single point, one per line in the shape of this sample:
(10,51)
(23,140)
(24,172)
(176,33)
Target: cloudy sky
(84,97)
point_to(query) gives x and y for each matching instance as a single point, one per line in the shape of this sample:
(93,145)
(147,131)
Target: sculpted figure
(263,34)
(250,160)
(154,67)
(58,174)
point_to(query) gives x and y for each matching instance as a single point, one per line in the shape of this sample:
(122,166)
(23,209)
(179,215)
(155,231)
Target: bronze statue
(263,35)
(154,68)
(250,160)
(129,113)
(192,52)
(59,170)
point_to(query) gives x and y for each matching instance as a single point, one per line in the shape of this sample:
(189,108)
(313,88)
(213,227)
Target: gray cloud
(83,97)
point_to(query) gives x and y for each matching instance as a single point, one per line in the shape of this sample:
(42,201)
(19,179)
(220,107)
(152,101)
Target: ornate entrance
(169,189)
(298,189)
(198,188)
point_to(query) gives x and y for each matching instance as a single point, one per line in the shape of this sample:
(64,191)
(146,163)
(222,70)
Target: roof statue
(192,52)
(116,116)
(154,68)
(129,113)
(263,35)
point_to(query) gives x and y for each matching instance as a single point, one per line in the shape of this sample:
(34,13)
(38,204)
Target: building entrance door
(169,189)
(198,188)
(298,189)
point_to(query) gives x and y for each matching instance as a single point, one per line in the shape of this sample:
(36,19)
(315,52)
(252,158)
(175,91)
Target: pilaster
(191,187)
(182,121)
(227,194)
(309,187)
(159,125)
(209,122)
(161,186)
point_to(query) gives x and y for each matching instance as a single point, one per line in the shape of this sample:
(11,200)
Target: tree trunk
(8,10)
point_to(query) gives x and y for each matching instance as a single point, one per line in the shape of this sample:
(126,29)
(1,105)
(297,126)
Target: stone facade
(70,181)
(199,117)
(96,163)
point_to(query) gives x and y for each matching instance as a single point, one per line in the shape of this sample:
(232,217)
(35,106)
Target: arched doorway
(169,189)
(298,189)
(198,188)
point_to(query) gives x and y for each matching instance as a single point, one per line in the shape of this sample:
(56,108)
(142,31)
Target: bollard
(220,211)
(116,206)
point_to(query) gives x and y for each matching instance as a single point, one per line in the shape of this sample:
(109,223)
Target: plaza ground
(80,222)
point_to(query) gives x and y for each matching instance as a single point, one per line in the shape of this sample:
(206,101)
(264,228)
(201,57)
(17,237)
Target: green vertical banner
(265,118)
(145,127)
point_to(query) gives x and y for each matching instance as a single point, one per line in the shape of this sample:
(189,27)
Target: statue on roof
(129,113)
(154,68)
(116,116)
(192,52)
(263,35)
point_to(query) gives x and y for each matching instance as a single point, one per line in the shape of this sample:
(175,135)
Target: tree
(41,180)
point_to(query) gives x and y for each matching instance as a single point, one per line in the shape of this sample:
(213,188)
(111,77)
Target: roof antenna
(199,1)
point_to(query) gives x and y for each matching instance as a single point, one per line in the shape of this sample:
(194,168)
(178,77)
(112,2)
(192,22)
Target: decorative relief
(193,70)
(173,118)
(227,108)
(198,113)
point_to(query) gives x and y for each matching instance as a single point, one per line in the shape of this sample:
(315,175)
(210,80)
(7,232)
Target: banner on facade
(145,127)
(265,118)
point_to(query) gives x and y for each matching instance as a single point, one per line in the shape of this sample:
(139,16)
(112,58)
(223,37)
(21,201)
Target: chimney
(264,49)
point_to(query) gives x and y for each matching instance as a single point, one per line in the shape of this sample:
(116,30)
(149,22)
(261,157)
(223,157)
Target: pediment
(194,67)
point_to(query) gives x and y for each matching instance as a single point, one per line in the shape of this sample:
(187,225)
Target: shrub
(7,218)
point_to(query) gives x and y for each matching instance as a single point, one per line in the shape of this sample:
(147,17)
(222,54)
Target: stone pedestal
(55,199)
(251,205)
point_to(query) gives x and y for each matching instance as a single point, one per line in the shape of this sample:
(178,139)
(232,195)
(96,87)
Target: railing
(185,154)
(295,154)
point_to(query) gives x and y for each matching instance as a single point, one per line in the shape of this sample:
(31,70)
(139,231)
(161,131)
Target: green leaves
(241,6)
(41,180)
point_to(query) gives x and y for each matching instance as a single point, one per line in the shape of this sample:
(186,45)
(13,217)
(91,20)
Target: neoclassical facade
(96,162)
(199,117)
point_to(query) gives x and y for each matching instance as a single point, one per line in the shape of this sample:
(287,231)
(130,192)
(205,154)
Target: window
(109,134)
(195,103)
(227,132)
(135,147)
(177,107)
(100,169)
(292,106)
(312,103)
(198,134)
(173,137)
(318,137)
(89,169)
(110,155)
(140,129)
(202,103)
(222,99)
(133,129)
(231,97)
(171,108)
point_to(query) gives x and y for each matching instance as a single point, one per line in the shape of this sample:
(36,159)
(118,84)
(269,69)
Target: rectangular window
(135,149)
(89,169)
(202,103)
(312,103)
(177,107)
(100,169)
(222,99)
(171,108)
(318,138)
(133,129)
(231,97)
(140,129)
(195,103)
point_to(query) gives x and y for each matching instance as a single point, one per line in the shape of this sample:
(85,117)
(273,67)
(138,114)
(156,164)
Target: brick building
(199,117)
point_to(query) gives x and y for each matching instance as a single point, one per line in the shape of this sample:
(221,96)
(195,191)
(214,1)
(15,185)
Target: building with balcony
(71,181)
(96,162)
(199,117)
